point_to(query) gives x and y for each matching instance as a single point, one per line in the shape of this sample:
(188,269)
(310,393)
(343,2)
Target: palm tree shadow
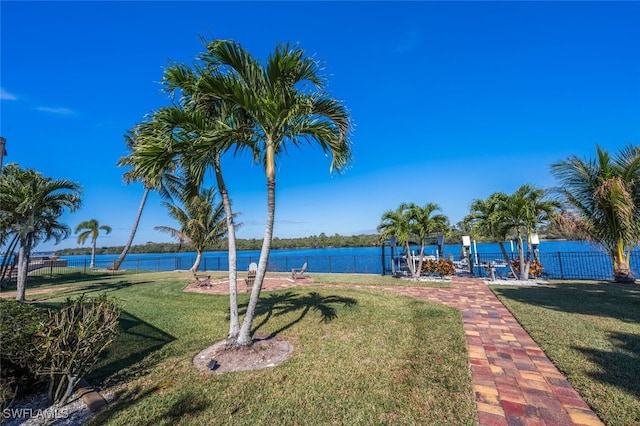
(619,367)
(604,299)
(123,359)
(278,304)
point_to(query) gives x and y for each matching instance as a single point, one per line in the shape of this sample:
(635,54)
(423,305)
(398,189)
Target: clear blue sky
(451,101)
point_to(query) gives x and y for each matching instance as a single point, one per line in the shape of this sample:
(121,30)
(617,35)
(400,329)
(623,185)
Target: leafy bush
(442,267)
(19,325)
(72,340)
(535,268)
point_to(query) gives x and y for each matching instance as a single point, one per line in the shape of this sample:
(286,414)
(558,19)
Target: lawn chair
(251,276)
(298,272)
(202,279)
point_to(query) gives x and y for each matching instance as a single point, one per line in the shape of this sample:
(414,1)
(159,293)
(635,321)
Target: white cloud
(62,111)
(6,95)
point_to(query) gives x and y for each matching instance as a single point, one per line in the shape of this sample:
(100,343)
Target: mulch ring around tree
(221,357)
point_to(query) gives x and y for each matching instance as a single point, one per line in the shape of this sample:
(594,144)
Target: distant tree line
(314,241)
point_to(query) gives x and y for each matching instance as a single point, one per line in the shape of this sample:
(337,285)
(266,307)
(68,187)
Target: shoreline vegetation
(313,241)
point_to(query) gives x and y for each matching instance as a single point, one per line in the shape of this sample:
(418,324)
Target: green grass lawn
(361,356)
(591,331)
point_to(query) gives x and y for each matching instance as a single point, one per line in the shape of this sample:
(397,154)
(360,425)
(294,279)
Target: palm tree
(485,220)
(208,126)
(397,224)
(201,222)
(517,214)
(410,221)
(286,101)
(522,212)
(91,228)
(426,223)
(194,134)
(160,177)
(30,206)
(603,199)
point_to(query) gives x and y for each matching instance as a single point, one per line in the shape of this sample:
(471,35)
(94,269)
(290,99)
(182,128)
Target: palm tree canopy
(202,221)
(284,99)
(31,204)
(90,228)
(502,214)
(603,194)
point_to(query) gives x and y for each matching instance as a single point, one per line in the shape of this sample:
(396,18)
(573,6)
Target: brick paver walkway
(514,381)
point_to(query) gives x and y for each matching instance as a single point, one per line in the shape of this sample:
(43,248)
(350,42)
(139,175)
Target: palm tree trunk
(92,264)
(622,272)
(116,264)
(521,258)
(505,255)
(196,263)
(419,269)
(23,268)
(244,338)
(234,318)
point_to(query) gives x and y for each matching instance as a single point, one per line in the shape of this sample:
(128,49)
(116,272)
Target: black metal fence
(557,265)
(564,266)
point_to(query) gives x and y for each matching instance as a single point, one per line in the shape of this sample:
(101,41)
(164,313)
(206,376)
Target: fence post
(560,265)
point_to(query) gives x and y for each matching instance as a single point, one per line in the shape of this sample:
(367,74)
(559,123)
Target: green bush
(442,267)
(19,325)
(72,340)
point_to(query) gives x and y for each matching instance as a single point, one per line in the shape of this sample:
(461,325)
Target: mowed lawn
(361,356)
(591,331)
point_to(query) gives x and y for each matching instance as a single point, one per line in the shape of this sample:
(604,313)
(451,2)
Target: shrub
(442,267)
(535,268)
(445,267)
(72,340)
(19,324)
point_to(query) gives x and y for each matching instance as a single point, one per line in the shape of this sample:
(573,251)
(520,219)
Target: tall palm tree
(159,177)
(286,100)
(202,223)
(195,132)
(208,126)
(31,206)
(91,228)
(603,198)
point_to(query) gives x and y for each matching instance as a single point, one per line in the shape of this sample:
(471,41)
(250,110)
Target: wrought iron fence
(562,265)
(557,265)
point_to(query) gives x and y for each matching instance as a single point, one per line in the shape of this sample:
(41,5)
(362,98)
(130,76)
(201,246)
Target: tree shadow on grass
(606,299)
(619,367)
(277,304)
(189,404)
(135,341)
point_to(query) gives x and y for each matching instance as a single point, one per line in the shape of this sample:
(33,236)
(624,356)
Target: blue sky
(451,101)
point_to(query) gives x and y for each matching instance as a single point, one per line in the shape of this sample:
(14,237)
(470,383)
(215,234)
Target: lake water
(561,259)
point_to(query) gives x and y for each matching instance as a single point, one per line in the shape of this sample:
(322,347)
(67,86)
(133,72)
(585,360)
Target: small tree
(91,228)
(202,223)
